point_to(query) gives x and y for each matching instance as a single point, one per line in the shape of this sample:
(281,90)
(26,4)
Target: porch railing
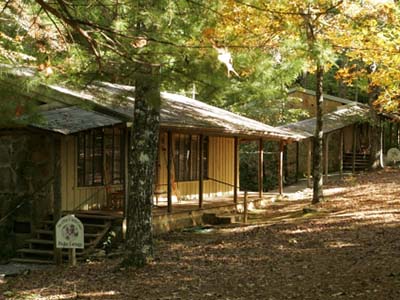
(114,200)
(223,182)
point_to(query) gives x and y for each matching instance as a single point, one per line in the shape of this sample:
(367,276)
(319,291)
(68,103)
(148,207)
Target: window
(186,157)
(100,157)
(114,147)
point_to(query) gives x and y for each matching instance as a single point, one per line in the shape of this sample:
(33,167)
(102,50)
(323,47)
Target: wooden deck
(298,191)
(218,202)
(187,213)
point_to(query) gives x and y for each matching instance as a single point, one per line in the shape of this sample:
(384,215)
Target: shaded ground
(349,248)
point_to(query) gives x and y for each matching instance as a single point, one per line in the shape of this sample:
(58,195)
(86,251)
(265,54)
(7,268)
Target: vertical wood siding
(72,196)
(308,103)
(220,167)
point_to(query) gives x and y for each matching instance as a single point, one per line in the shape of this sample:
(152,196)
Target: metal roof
(342,117)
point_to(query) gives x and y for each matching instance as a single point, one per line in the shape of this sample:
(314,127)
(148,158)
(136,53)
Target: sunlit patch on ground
(340,244)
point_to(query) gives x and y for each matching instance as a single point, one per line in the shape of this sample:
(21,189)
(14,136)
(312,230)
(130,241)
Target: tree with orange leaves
(317,31)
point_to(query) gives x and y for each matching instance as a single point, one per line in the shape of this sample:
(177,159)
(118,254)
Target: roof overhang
(69,120)
(342,117)
(104,104)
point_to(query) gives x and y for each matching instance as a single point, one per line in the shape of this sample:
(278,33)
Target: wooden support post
(280,168)
(341,153)
(390,135)
(309,162)
(57,205)
(297,161)
(245,207)
(383,133)
(285,163)
(353,159)
(260,169)
(327,156)
(397,135)
(382,142)
(235,170)
(201,171)
(72,256)
(169,171)
(127,150)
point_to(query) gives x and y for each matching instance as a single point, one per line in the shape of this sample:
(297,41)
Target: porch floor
(298,191)
(187,213)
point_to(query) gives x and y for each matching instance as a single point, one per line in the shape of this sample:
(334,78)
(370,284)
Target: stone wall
(26,165)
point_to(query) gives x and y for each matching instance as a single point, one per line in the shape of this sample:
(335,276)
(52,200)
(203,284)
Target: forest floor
(347,247)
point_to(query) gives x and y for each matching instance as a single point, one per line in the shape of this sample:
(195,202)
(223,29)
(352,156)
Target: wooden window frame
(93,154)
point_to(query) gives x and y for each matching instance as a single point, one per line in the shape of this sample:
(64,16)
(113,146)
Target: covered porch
(346,144)
(197,153)
(198,149)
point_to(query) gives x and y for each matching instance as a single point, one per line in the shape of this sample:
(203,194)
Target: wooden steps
(224,219)
(49,242)
(32,261)
(36,251)
(361,162)
(40,241)
(39,249)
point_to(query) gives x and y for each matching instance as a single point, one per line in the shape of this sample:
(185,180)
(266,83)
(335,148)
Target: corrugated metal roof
(73,119)
(344,116)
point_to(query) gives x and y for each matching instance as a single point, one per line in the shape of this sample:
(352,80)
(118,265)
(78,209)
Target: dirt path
(349,248)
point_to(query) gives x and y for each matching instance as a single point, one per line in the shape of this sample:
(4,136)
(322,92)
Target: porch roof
(177,112)
(344,116)
(68,120)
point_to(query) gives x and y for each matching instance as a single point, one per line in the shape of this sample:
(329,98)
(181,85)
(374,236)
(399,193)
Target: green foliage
(249,166)
(13,106)
(109,241)
(260,92)
(356,90)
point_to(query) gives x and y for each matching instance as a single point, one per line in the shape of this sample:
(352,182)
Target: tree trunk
(375,136)
(142,164)
(318,138)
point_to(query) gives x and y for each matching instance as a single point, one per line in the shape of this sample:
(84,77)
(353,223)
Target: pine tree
(128,42)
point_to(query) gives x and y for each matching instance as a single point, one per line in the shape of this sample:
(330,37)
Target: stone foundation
(26,165)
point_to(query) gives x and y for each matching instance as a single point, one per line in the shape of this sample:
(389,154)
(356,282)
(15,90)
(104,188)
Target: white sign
(69,233)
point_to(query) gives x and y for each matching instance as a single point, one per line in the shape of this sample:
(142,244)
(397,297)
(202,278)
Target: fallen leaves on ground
(344,248)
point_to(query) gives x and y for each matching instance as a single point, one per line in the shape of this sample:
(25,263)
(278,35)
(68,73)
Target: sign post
(70,235)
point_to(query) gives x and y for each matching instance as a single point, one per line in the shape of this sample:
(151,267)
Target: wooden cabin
(74,156)
(347,135)
(94,149)
(346,141)
(307,101)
